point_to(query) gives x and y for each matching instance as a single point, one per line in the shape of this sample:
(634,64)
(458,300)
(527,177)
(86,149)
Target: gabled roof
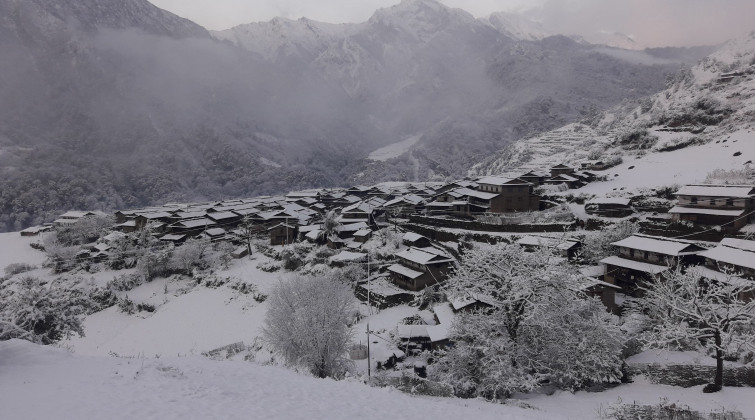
(620,201)
(303,194)
(358,208)
(660,245)
(359,188)
(191,214)
(535,174)
(563,177)
(412,331)
(634,265)
(412,237)
(348,256)
(466,192)
(363,232)
(404,271)
(282,225)
(494,180)
(706,210)
(737,252)
(424,256)
(561,166)
(224,215)
(733,191)
(215,231)
(353,227)
(500,181)
(173,237)
(194,223)
(156,215)
(75,214)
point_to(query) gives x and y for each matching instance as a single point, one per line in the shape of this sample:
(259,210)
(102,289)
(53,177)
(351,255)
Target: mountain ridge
(138,107)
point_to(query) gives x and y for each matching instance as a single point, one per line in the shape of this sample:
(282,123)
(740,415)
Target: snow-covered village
(390,243)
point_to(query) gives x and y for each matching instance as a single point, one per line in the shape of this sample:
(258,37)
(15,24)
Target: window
(693,200)
(729,201)
(712,201)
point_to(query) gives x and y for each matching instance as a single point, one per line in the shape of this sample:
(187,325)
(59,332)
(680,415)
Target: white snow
(39,383)
(394,150)
(15,249)
(43,382)
(685,166)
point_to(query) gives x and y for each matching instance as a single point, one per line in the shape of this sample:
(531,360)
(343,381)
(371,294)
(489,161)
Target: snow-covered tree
(308,324)
(597,245)
(537,328)
(191,254)
(688,308)
(330,225)
(40,312)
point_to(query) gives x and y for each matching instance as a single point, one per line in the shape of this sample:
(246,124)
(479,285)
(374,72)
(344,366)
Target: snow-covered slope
(710,108)
(610,39)
(517,26)
(38,383)
(43,382)
(283,37)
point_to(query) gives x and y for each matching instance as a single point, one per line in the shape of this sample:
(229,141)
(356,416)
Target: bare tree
(687,307)
(308,324)
(248,229)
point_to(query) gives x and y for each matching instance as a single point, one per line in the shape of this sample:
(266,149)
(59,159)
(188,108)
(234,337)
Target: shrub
(41,312)
(637,139)
(308,324)
(680,143)
(18,268)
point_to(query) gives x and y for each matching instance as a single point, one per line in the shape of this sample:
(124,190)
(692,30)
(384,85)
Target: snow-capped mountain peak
(516,26)
(419,18)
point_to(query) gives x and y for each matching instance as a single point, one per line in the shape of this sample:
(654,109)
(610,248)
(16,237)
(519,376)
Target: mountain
(463,86)
(610,39)
(517,27)
(117,104)
(702,122)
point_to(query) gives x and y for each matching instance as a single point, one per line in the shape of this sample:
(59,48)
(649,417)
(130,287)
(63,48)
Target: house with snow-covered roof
(283,234)
(561,169)
(568,179)
(418,268)
(732,256)
(404,205)
(609,207)
(643,257)
(728,206)
(513,194)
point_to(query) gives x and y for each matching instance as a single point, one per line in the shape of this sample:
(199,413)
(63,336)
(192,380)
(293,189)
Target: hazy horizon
(650,23)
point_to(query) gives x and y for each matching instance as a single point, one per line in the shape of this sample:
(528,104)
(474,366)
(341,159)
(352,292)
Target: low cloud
(652,23)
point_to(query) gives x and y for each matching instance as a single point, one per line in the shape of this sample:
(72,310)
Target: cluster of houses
(360,211)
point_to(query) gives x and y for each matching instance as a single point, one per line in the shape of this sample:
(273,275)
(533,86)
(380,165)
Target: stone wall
(692,375)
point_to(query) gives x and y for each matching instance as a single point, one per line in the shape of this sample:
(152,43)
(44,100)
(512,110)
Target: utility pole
(369,308)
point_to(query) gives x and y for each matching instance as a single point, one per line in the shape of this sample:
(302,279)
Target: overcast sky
(649,22)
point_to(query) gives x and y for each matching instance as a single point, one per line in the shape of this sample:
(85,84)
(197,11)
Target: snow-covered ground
(44,382)
(15,248)
(684,166)
(148,365)
(394,150)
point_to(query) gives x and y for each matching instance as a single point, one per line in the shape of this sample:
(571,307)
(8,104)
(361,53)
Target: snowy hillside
(281,37)
(42,382)
(516,26)
(704,120)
